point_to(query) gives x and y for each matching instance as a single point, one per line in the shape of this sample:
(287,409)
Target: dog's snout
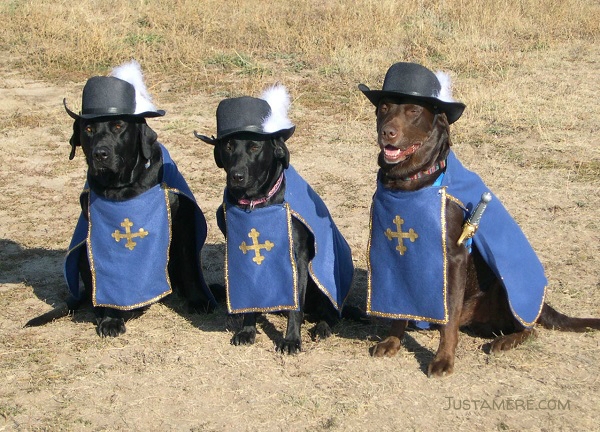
(100,154)
(237,178)
(388,132)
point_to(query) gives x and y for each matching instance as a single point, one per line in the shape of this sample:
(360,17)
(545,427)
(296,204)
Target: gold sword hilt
(472,223)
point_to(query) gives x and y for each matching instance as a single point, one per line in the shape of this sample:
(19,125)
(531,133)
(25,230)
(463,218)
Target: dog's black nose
(237,177)
(100,153)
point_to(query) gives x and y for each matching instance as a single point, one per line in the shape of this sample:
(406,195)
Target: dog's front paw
(110,327)
(321,331)
(246,336)
(387,347)
(289,346)
(440,367)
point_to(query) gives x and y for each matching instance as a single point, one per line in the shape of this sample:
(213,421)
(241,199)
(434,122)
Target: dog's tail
(63,310)
(552,319)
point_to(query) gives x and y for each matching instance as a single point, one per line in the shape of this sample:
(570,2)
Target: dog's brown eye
(88,129)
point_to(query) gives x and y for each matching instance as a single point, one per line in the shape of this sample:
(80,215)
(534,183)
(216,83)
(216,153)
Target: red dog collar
(273,191)
(438,166)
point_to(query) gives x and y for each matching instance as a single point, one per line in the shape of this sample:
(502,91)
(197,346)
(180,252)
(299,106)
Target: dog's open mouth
(394,155)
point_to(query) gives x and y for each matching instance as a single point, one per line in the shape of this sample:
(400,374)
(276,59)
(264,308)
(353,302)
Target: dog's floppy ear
(217,154)
(440,135)
(147,138)
(281,152)
(445,126)
(75,141)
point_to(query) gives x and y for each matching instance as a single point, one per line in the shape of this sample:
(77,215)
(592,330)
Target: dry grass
(527,71)
(325,46)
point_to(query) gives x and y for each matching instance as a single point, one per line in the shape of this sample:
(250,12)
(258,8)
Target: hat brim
(146,114)
(283,133)
(453,110)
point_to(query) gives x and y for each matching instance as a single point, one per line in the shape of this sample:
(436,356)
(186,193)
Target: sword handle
(475,218)
(471,224)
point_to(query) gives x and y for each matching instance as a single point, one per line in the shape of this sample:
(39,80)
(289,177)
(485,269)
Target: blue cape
(499,240)
(407,260)
(272,284)
(128,243)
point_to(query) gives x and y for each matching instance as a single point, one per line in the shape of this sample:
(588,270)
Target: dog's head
(116,148)
(411,135)
(252,162)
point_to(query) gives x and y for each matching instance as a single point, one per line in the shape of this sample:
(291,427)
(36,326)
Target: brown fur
(476,298)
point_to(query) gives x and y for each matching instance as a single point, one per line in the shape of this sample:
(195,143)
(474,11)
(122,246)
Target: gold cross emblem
(127,224)
(411,235)
(256,247)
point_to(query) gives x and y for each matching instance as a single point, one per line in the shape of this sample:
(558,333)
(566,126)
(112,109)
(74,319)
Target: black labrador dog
(125,160)
(254,165)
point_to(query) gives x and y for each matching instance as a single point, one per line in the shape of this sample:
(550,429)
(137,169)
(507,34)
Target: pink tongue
(392,152)
(395,153)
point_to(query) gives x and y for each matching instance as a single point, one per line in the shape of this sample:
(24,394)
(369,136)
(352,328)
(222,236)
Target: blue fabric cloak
(127,244)
(271,284)
(499,240)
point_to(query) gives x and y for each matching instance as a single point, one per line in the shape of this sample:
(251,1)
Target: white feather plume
(132,73)
(279,100)
(446,90)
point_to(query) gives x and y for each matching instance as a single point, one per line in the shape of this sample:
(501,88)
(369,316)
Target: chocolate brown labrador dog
(140,231)
(414,137)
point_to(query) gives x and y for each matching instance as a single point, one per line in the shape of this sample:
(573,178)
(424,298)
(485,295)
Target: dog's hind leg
(319,305)
(549,318)
(507,342)
(184,267)
(247,334)
(391,345)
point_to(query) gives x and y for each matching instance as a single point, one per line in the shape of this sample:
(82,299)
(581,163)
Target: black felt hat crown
(107,96)
(265,116)
(416,83)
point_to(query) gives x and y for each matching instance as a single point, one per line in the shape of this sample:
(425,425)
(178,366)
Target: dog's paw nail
(439,369)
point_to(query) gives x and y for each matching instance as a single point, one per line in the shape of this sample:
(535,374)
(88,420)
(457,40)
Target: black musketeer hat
(265,116)
(121,94)
(417,83)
